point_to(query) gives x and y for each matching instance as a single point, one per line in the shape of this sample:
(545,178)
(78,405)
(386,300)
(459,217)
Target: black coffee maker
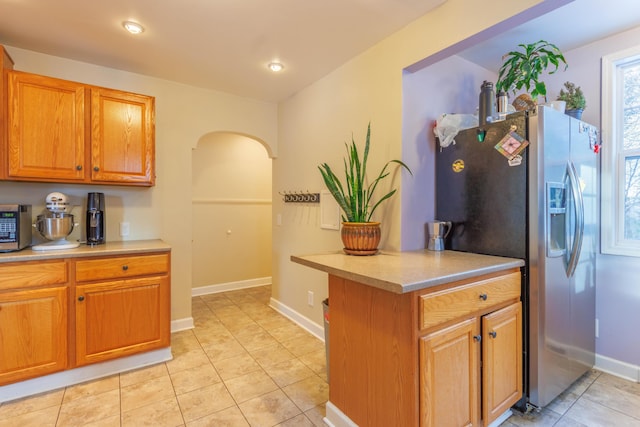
(95,219)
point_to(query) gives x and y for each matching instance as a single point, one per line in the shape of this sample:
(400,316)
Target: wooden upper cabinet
(63,131)
(6,64)
(122,137)
(46,128)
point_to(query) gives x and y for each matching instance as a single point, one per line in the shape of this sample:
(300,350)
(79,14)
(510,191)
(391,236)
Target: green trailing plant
(523,69)
(573,96)
(354,196)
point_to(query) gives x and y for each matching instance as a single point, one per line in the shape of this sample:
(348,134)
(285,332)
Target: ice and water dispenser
(556,211)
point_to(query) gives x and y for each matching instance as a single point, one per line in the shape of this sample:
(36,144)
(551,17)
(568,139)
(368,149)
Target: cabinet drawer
(449,304)
(121,267)
(31,274)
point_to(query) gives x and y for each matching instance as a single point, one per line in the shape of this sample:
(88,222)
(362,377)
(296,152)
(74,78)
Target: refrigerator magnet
(457,166)
(511,145)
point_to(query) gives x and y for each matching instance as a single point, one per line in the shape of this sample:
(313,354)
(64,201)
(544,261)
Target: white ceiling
(226,44)
(219,44)
(578,23)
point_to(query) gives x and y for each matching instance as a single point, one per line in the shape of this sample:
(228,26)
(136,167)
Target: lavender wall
(449,86)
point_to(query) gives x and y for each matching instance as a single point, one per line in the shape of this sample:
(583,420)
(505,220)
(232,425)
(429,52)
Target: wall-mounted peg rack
(300,197)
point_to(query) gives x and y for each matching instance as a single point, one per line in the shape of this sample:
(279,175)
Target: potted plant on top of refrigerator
(574,98)
(523,69)
(360,235)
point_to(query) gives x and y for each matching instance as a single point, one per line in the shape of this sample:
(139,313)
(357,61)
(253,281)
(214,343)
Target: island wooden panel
(373,357)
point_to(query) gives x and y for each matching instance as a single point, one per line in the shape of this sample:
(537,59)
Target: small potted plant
(574,98)
(360,235)
(523,69)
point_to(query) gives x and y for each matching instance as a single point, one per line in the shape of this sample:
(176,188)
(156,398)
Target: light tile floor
(246,365)
(595,400)
(243,365)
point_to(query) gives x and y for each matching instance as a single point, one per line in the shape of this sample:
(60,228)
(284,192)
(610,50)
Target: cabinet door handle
(79,167)
(81,298)
(125,267)
(483,297)
(96,168)
(477,338)
(493,334)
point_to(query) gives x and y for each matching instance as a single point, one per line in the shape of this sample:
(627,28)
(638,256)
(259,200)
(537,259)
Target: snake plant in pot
(360,235)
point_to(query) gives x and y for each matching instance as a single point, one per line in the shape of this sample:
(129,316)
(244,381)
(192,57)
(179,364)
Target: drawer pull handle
(125,267)
(477,338)
(483,297)
(493,334)
(81,298)
(79,167)
(96,169)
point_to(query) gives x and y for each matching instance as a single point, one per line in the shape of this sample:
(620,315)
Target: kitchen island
(422,338)
(67,316)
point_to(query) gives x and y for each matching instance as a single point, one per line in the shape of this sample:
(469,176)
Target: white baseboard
(82,374)
(230,286)
(302,321)
(336,418)
(182,324)
(619,369)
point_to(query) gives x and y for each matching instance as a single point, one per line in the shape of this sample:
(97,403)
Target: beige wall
(184,114)
(231,211)
(315,123)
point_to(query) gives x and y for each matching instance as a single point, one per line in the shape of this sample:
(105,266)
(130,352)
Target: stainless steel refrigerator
(527,187)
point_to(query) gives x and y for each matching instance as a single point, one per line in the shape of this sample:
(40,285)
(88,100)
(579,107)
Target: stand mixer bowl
(55,226)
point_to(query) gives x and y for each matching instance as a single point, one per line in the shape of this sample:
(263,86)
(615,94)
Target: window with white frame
(621,153)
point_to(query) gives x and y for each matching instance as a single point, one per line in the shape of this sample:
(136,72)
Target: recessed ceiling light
(133,27)
(275,66)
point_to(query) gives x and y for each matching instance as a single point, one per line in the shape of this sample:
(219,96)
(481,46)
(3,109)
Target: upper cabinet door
(46,128)
(122,137)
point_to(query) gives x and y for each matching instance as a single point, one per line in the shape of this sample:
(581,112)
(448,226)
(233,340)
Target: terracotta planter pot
(360,238)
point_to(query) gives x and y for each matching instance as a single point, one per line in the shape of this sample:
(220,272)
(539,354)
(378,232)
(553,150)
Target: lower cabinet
(449,376)
(119,318)
(121,306)
(66,313)
(467,375)
(33,333)
(501,361)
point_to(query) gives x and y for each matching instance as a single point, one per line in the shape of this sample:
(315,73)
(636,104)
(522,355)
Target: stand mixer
(56,224)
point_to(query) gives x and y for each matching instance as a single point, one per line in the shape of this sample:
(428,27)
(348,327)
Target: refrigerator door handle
(576,191)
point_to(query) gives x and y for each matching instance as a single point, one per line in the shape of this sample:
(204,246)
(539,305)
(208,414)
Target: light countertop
(402,272)
(110,248)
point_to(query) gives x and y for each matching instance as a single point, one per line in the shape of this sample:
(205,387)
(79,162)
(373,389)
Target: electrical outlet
(124,229)
(310,298)
(597,328)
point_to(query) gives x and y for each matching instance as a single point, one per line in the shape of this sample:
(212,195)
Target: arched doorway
(231,209)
